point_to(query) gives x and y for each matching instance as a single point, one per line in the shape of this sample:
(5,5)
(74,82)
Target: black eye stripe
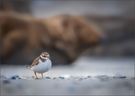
(45,54)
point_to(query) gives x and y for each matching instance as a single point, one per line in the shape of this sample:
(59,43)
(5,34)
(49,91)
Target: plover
(41,64)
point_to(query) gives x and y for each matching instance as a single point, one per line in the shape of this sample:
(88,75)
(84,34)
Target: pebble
(88,76)
(80,79)
(15,77)
(119,77)
(103,77)
(61,77)
(66,76)
(47,77)
(54,78)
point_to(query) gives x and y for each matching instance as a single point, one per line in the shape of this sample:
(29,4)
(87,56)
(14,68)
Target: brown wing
(35,62)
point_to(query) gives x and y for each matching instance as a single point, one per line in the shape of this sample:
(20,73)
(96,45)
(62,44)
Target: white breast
(42,66)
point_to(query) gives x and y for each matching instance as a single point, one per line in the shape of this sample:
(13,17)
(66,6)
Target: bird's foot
(35,77)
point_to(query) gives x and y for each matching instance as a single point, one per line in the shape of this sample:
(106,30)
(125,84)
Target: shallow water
(87,76)
(82,67)
(91,86)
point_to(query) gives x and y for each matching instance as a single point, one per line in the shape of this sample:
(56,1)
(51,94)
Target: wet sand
(84,77)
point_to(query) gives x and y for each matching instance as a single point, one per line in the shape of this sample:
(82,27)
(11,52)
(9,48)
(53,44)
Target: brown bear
(65,37)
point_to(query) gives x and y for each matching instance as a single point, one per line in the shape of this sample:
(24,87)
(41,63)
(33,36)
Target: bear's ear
(65,22)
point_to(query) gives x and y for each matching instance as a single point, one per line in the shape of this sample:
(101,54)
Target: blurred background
(95,37)
(66,29)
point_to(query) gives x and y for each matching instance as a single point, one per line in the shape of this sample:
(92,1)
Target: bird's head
(45,55)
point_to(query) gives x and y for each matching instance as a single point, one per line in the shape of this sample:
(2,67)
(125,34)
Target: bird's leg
(36,75)
(42,75)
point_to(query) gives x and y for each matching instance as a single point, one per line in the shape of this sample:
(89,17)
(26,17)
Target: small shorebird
(41,64)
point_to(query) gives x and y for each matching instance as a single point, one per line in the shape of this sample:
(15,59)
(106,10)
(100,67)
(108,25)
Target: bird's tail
(28,67)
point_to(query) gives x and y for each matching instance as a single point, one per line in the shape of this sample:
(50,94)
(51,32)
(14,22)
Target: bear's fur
(64,36)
